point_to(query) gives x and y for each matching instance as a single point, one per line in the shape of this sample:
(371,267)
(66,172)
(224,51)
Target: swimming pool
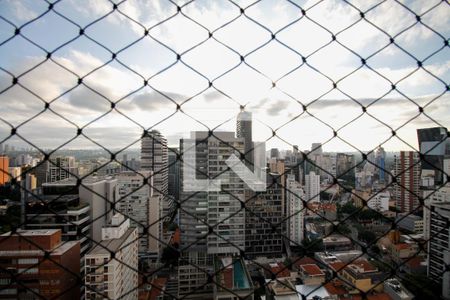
(240,279)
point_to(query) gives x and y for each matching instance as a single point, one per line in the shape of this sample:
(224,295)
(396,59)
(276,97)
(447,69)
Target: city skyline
(272,105)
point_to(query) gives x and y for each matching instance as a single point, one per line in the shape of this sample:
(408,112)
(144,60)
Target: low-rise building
(410,223)
(38,264)
(396,290)
(311,274)
(362,276)
(232,279)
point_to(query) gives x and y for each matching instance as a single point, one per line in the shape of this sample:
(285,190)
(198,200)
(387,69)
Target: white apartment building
(136,201)
(296,213)
(312,187)
(379,201)
(113,278)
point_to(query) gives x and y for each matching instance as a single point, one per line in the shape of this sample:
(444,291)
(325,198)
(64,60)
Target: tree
(310,246)
(170,255)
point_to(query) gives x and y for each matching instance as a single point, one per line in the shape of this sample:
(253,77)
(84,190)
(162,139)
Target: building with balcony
(113,277)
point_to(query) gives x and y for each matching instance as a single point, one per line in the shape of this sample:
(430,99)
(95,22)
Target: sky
(192,65)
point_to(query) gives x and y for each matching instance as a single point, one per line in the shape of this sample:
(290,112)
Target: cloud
(277,107)
(155,101)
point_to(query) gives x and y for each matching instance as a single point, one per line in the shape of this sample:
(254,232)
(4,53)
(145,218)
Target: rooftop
(114,245)
(279,269)
(312,270)
(33,232)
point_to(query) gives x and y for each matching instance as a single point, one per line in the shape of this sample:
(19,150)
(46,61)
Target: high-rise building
(113,277)
(380,159)
(345,168)
(204,208)
(154,157)
(174,174)
(440,195)
(296,213)
(205,158)
(274,153)
(316,149)
(56,169)
(38,262)
(4,166)
(264,229)
(312,187)
(439,245)
(136,201)
(434,144)
(244,130)
(407,177)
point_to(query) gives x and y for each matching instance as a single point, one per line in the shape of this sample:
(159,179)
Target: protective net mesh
(112,77)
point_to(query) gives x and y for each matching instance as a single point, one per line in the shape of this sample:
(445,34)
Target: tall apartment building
(113,277)
(345,168)
(201,210)
(407,176)
(380,162)
(56,169)
(154,157)
(174,174)
(312,187)
(434,144)
(4,166)
(439,245)
(440,195)
(244,130)
(296,214)
(136,201)
(264,229)
(24,254)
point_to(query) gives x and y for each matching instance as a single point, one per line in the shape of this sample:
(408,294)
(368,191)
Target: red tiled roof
(312,270)
(364,264)
(401,246)
(280,270)
(304,261)
(337,265)
(155,291)
(335,287)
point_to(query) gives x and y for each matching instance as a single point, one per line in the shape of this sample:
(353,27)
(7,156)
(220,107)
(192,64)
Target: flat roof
(32,232)
(114,245)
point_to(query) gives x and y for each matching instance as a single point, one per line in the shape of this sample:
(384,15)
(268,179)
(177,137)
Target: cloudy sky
(209,58)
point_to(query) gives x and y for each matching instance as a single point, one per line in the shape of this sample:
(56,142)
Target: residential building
(136,202)
(56,169)
(379,201)
(154,157)
(406,185)
(174,174)
(361,275)
(434,144)
(216,207)
(232,279)
(410,223)
(244,130)
(312,187)
(440,195)
(345,168)
(264,226)
(113,277)
(38,264)
(296,212)
(439,245)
